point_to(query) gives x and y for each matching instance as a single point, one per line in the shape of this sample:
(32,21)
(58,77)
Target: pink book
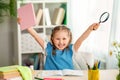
(53,79)
(27,17)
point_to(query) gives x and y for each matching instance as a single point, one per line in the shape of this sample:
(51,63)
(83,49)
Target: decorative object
(7,8)
(116,50)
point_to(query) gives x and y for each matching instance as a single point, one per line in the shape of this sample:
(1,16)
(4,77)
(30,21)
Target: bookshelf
(25,45)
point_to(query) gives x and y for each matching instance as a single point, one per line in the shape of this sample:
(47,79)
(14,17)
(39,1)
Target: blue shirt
(61,60)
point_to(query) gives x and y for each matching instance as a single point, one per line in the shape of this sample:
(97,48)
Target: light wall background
(98,43)
(82,13)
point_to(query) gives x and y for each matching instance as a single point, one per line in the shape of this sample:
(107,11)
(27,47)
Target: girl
(60,50)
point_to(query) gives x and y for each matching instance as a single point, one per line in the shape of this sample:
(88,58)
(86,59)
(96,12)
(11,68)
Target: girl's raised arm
(36,37)
(34,34)
(78,43)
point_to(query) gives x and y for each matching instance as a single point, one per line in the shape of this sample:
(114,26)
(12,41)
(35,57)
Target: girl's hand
(18,20)
(94,26)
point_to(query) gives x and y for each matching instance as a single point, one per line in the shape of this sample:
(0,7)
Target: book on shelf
(41,61)
(26,16)
(36,60)
(64,6)
(39,16)
(47,16)
(58,16)
(66,72)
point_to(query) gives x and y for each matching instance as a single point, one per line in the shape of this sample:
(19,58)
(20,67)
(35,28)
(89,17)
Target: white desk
(104,75)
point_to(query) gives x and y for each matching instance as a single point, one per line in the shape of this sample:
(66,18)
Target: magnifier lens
(104,17)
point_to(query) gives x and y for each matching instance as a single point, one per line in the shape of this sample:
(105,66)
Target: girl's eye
(57,39)
(64,38)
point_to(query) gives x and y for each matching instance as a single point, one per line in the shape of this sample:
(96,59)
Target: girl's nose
(61,41)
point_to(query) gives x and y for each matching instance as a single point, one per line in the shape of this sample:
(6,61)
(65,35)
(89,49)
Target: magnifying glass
(104,17)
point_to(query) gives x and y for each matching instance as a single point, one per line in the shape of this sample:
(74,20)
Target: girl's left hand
(95,26)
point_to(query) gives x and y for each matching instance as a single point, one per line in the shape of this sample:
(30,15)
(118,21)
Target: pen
(88,66)
(38,78)
(95,65)
(98,64)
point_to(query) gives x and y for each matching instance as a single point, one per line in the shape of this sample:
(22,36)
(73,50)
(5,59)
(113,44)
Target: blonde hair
(56,29)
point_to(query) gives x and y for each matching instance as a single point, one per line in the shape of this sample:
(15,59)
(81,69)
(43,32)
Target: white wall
(115,34)
(83,14)
(6,41)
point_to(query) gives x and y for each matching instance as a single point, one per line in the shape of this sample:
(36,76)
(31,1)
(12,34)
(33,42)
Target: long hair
(56,29)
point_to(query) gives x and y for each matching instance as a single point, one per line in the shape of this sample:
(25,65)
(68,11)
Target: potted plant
(7,8)
(116,50)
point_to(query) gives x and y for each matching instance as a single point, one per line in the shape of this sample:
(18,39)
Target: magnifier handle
(99,22)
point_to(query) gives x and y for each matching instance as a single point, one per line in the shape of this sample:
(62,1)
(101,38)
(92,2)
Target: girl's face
(61,39)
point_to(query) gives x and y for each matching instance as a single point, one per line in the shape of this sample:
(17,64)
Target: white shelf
(25,43)
(43,1)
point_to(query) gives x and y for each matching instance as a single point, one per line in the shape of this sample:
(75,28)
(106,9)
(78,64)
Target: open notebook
(65,72)
(26,15)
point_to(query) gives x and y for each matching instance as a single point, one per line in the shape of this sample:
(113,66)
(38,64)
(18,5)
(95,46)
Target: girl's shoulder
(70,45)
(49,44)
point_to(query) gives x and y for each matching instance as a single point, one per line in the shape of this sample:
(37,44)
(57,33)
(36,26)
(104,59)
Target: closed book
(47,16)
(9,72)
(14,78)
(58,16)
(26,16)
(39,16)
(8,69)
(10,75)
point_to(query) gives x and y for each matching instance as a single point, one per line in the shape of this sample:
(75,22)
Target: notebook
(65,72)
(27,17)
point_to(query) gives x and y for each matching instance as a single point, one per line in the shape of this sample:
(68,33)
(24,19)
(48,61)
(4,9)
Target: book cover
(64,6)
(36,62)
(27,16)
(9,72)
(58,16)
(53,79)
(39,16)
(10,75)
(8,69)
(47,16)
(14,78)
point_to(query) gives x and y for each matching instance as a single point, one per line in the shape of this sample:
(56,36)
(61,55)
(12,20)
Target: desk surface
(104,75)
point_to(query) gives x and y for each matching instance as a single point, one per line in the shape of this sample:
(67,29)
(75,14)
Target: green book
(65,17)
(8,69)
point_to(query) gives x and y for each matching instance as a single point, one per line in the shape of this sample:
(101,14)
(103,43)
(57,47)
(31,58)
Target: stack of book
(10,73)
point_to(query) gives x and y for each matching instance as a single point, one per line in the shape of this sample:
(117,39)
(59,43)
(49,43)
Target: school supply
(26,16)
(9,72)
(66,72)
(15,71)
(93,73)
(36,78)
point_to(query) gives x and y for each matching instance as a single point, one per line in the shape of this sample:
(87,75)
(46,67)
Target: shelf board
(31,52)
(42,1)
